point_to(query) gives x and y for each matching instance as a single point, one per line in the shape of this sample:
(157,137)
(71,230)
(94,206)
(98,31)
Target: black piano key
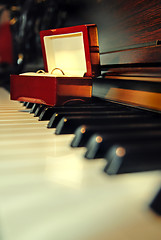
(25,103)
(39,110)
(48,112)
(92,112)
(34,107)
(84,132)
(68,125)
(156,203)
(29,105)
(129,158)
(99,144)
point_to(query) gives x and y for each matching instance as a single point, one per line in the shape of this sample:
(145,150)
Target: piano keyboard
(48,190)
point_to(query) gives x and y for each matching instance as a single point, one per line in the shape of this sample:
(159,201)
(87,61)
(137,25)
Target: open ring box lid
(71,57)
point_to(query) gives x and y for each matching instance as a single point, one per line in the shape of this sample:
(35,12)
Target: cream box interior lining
(66,52)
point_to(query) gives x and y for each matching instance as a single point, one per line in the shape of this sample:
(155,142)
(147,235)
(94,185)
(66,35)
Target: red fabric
(6,50)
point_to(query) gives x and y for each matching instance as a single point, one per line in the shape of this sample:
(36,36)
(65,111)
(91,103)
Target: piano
(65,175)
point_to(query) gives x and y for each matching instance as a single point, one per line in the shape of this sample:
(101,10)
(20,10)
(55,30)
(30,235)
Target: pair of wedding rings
(42,71)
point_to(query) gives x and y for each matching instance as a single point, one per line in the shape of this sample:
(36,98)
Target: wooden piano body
(48,190)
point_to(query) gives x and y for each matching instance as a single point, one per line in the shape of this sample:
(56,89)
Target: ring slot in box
(71,60)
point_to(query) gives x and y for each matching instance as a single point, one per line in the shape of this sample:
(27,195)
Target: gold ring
(58,69)
(40,71)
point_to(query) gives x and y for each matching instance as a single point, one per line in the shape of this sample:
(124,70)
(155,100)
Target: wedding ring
(40,71)
(58,69)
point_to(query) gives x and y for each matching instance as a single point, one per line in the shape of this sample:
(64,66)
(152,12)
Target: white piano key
(12,111)
(79,209)
(11,105)
(18,121)
(12,108)
(47,145)
(18,115)
(24,133)
(20,124)
(22,127)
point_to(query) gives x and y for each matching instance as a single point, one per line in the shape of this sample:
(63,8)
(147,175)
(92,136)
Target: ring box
(71,60)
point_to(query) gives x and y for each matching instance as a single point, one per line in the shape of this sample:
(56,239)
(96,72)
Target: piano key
(11,133)
(25,103)
(8,128)
(48,112)
(39,142)
(133,157)
(46,144)
(34,107)
(6,111)
(23,139)
(156,203)
(29,105)
(68,125)
(11,108)
(57,202)
(84,132)
(99,144)
(58,116)
(39,110)
(36,189)
(17,122)
(21,115)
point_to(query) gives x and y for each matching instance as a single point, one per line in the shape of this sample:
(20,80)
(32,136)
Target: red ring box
(71,60)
